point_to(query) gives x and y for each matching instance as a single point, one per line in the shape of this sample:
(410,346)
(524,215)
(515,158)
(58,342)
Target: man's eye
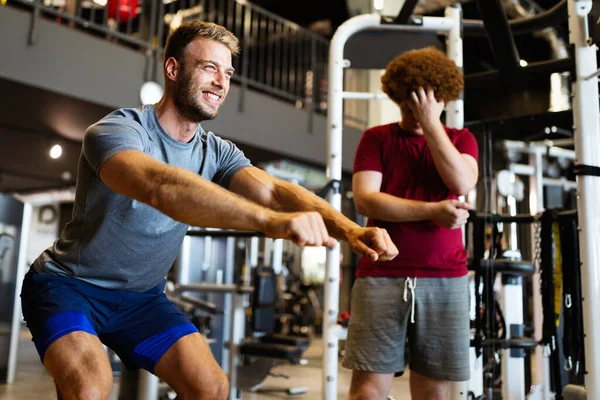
(210,67)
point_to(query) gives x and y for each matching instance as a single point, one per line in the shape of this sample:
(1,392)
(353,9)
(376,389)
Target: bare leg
(370,386)
(425,388)
(80,367)
(191,370)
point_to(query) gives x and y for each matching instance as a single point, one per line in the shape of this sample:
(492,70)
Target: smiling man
(144,176)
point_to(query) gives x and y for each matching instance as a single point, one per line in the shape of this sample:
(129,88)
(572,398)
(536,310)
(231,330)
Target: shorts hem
(376,369)
(148,353)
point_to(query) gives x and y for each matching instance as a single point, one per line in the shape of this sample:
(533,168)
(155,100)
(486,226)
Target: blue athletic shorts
(139,326)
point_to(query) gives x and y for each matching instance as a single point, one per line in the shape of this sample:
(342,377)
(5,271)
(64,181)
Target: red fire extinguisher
(122,10)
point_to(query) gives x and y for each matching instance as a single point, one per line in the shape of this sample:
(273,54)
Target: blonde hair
(186,33)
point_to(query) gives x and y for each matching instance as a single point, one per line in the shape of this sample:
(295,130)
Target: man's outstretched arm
(191,199)
(262,188)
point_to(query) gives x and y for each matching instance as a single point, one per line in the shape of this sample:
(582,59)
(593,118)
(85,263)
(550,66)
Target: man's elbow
(362,205)
(463,188)
(156,191)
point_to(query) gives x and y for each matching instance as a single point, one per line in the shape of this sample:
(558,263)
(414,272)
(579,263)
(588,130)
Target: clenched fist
(451,213)
(302,228)
(374,243)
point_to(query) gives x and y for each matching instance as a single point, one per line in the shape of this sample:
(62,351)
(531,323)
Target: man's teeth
(212,96)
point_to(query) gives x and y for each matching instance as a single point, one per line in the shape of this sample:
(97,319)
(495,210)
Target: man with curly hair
(407,179)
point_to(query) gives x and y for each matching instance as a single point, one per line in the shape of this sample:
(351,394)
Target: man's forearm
(191,199)
(385,207)
(454,170)
(290,197)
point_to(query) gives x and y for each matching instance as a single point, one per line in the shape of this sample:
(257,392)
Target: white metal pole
(455,118)
(427,24)
(277,256)
(536,205)
(364,96)
(238,318)
(513,368)
(21,269)
(587,138)
(147,386)
(335,121)
(267,251)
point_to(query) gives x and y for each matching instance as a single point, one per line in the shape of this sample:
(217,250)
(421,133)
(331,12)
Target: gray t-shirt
(114,241)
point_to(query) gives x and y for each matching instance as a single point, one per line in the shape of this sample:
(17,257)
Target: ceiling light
(378,4)
(56,151)
(151,93)
(523,63)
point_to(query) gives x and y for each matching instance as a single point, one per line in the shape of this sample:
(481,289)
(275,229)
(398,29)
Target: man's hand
(451,213)
(425,107)
(374,243)
(302,228)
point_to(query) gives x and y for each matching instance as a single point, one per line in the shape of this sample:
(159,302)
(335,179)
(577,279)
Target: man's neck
(412,129)
(173,123)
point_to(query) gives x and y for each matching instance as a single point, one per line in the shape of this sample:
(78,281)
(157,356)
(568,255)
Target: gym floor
(34,383)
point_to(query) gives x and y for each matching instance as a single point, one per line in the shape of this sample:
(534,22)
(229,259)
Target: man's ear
(172,68)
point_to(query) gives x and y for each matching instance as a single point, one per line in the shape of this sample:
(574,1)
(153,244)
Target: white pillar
(22,266)
(513,368)
(587,139)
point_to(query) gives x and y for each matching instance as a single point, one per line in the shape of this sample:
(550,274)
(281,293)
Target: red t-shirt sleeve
(467,144)
(368,153)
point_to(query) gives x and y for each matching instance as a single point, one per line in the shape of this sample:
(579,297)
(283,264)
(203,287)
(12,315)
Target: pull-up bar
(364,96)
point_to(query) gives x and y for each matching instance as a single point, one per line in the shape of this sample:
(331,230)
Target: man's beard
(187,103)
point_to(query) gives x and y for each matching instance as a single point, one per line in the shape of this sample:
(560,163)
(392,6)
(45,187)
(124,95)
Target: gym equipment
(15,223)
(548,265)
(574,392)
(247,360)
(262,352)
(543,192)
(572,342)
(489,321)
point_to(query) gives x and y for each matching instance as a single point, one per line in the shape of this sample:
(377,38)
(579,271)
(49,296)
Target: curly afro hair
(428,68)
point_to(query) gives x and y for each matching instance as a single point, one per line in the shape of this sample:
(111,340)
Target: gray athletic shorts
(380,326)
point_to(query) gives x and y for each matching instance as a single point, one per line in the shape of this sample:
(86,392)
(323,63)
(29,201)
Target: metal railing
(277,57)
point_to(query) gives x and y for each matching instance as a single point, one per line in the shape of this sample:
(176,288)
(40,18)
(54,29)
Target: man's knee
(86,388)
(85,381)
(93,392)
(216,387)
(367,392)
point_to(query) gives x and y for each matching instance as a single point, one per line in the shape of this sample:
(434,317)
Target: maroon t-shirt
(425,248)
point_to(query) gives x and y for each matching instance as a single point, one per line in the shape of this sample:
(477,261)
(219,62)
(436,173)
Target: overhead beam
(406,11)
(543,68)
(499,35)
(551,17)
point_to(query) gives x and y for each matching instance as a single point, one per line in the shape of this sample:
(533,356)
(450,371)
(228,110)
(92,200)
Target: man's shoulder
(381,132)
(126,116)
(131,118)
